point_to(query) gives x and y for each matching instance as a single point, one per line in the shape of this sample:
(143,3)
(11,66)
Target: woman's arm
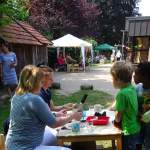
(68,106)
(55,108)
(43,113)
(60,121)
(14,63)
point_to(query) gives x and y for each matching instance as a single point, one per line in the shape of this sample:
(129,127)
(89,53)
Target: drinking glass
(91,110)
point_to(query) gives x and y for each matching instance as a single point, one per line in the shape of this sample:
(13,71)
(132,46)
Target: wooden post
(60,142)
(2,142)
(149,54)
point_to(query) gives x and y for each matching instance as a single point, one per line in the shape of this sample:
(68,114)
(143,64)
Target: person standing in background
(8,62)
(118,55)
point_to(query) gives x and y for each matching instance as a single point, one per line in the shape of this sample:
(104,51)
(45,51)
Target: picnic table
(90,132)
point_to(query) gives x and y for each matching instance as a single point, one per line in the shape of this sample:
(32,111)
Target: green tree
(13,9)
(112,18)
(64,16)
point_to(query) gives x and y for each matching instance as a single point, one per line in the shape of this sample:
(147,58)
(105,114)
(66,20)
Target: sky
(144,7)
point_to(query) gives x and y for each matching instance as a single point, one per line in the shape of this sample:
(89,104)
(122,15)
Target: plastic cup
(75,126)
(91,111)
(97,108)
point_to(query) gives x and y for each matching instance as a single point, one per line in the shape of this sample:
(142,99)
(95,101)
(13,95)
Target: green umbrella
(104,47)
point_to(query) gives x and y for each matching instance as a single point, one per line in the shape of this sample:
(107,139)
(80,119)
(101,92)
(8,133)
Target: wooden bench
(2,142)
(69,67)
(76,68)
(73,68)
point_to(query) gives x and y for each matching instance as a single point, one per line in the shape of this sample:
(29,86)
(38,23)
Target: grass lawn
(94,97)
(4,113)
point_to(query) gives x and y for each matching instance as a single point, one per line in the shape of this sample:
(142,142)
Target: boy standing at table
(126,104)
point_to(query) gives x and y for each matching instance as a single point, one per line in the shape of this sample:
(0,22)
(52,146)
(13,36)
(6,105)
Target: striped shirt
(28,117)
(9,74)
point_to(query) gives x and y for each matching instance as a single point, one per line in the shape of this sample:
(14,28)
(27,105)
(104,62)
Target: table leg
(119,143)
(60,142)
(113,144)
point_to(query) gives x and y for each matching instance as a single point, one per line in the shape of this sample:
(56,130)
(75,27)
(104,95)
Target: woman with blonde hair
(29,114)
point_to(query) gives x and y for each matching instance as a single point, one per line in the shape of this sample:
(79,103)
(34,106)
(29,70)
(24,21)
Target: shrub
(86,87)
(56,85)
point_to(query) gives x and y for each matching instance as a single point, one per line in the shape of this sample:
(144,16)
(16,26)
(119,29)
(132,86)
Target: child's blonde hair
(122,71)
(30,79)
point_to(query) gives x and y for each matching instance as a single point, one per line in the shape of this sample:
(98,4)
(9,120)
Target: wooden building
(28,44)
(138,31)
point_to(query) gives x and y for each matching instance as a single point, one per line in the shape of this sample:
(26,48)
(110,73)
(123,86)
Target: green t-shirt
(126,102)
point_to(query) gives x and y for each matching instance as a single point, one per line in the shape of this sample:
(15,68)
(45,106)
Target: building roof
(138,26)
(22,33)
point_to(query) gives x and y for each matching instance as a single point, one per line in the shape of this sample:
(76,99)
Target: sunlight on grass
(94,97)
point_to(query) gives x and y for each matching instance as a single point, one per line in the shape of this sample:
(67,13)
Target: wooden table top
(90,130)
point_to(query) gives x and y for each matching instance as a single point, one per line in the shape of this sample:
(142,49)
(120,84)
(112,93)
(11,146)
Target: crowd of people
(115,56)
(34,117)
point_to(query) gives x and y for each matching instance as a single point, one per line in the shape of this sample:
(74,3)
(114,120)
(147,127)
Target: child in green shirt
(126,104)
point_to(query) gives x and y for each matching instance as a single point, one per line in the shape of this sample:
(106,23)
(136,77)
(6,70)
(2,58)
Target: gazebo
(72,41)
(104,47)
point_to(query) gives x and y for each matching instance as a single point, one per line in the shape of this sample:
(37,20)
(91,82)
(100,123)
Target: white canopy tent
(72,41)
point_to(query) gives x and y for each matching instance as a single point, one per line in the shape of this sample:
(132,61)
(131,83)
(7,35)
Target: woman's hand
(69,106)
(13,65)
(77,115)
(61,113)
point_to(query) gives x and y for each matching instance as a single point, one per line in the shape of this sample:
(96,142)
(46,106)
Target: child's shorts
(129,142)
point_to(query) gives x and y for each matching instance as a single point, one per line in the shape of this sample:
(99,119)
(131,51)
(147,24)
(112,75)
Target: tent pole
(92,54)
(58,49)
(83,56)
(63,51)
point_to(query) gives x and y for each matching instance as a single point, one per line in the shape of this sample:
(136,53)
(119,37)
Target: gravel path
(99,77)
